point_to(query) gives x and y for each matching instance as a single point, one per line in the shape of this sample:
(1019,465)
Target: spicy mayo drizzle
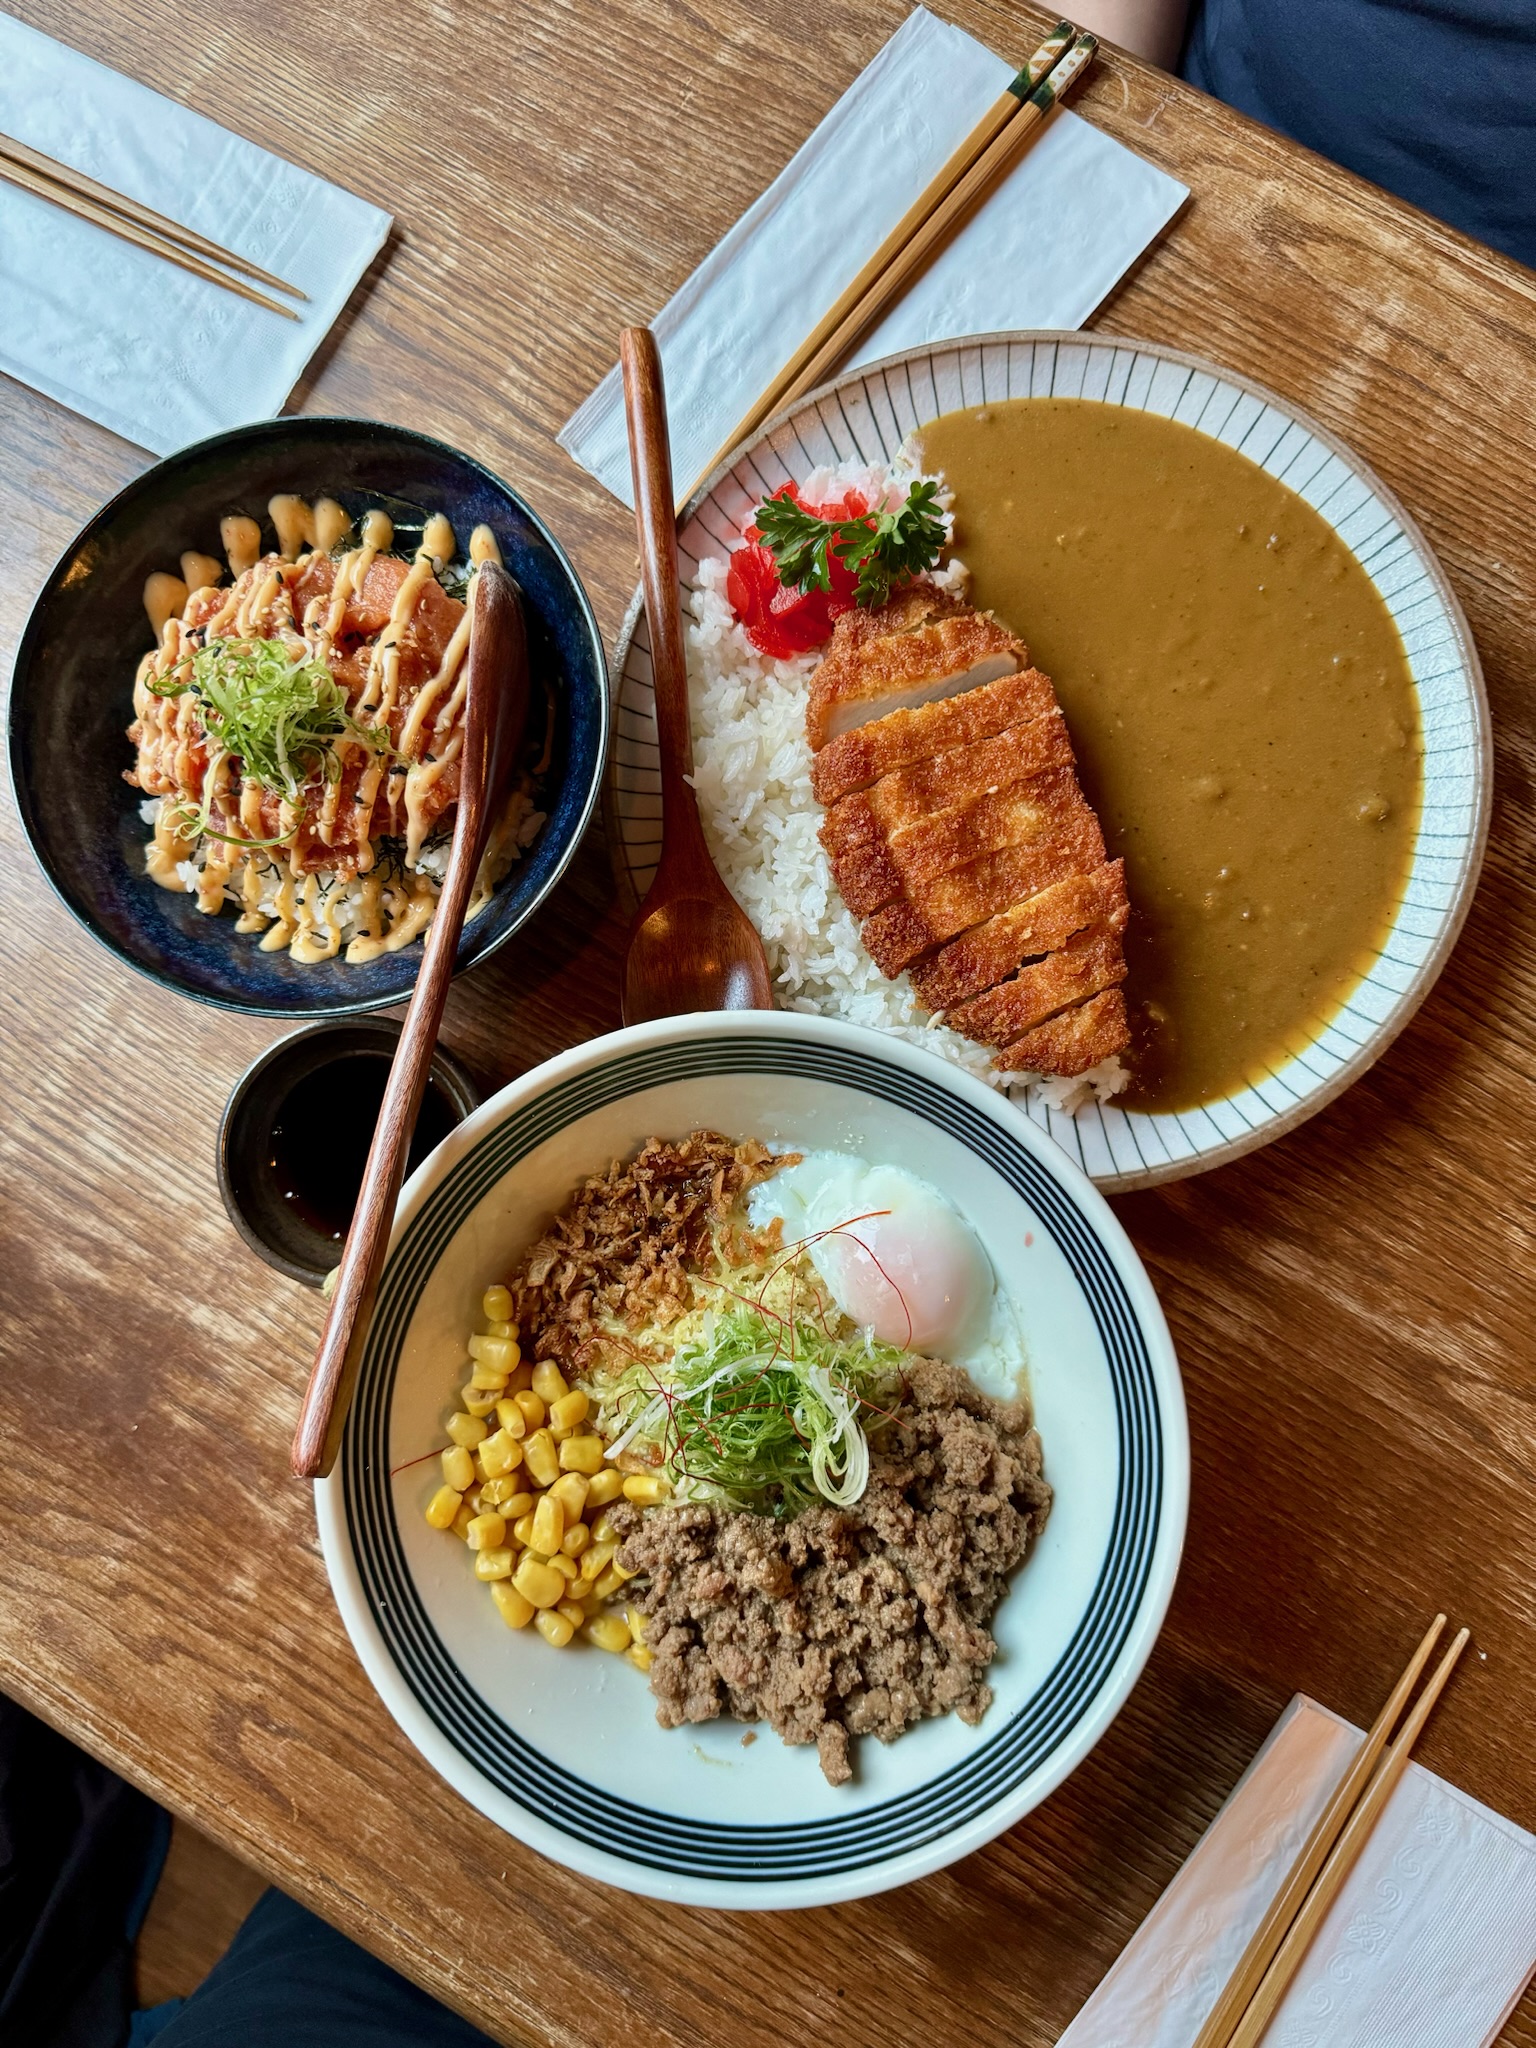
(294,910)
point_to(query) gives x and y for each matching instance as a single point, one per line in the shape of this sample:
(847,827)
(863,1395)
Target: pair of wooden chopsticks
(990,149)
(88,200)
(1247,2004)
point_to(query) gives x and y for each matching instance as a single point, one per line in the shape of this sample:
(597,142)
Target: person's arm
(1153,29)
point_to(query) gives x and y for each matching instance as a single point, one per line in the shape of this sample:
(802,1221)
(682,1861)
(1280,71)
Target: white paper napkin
(131,341)
(1429,1944)
(1048,244)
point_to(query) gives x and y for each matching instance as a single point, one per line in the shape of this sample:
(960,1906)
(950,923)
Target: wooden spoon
(692,946)
(495,708)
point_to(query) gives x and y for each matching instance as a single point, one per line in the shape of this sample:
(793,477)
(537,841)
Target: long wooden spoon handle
(650,452)
(497,672)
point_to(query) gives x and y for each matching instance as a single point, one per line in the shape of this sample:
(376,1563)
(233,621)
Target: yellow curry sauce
(1241,706)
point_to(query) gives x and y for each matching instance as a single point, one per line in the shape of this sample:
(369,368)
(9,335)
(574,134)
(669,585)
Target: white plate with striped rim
(865,417)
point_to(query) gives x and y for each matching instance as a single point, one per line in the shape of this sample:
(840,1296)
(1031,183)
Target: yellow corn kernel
(521,1379)
(570,1489)
(604,1486)
(499,1328)
(548,1525)
(590,1604)
(496,1304)
(576,1539)
(582,1454)
(572,1610)
(442,1507)
(494,1564)
(522,1528)
(499,1455)
(556,1629)
(516,1609)
(542,1457)
(567,1567)
(512,1418)
(599,1557)
(461,1522)
(487,1532)
(508,1495)
(532,1407)
(639,1656)
(570,1409)
(636,1621)
(467,1430)
(478,1400)
(538,1582)
(560,1435)
(487,1379)
(458,1469)
(603,1531)
(612,1581)
(609,1633)
(549,1382)
(498,1354)
(645,1489)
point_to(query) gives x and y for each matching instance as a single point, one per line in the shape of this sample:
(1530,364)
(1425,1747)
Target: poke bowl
(299,926)
(557,1739)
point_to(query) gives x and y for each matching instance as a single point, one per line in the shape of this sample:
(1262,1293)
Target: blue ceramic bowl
(71,698)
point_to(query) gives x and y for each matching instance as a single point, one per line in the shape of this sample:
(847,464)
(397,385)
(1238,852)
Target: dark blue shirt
(1434,99)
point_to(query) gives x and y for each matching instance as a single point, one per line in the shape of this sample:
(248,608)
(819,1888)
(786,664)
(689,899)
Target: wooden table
(1351,1305)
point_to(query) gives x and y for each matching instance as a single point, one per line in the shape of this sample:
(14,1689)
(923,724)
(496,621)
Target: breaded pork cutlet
(866,675)
(956,829)
(988,953)
(904,738)
(1037,811)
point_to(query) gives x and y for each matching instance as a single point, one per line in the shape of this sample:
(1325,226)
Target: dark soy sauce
(322,1132)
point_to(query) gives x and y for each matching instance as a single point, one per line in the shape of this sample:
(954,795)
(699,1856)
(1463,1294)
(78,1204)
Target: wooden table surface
(1350,1305)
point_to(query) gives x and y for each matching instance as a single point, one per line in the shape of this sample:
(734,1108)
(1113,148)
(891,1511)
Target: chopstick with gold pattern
(90,200)
(1000,119)
(1250,1996)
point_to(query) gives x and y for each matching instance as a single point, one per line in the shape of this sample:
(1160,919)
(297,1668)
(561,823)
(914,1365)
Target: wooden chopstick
(999,157)
(1276,1980)
(998,119)
(1272,1929)
(144,216)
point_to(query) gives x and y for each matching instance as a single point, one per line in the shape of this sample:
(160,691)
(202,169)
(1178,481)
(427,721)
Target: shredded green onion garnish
(763,1408)
(279,718)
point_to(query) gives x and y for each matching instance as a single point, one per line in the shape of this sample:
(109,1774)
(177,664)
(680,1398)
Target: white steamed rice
(752,771)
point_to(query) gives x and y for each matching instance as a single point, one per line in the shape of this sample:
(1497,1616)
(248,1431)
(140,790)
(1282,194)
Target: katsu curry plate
(1088,716)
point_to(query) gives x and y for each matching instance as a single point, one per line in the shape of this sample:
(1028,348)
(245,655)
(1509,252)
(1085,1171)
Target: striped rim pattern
(663,1841)
(866,417)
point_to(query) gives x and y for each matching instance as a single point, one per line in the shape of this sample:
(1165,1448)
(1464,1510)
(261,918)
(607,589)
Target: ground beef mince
(624,1245)
(856,1621)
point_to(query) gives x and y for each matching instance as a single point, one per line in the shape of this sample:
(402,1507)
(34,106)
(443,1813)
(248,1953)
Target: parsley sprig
(882,548)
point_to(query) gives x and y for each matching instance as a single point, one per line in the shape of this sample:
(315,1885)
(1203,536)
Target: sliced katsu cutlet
(903,739)
(957,831)
(988,953)
(873,871)
(910,652)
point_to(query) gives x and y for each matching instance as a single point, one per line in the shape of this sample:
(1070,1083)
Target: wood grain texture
(1350,1306)
(495,708)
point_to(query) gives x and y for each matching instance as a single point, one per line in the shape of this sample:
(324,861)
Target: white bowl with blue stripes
(865,417)
(561,1747)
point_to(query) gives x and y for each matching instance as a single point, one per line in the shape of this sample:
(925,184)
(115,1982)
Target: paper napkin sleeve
(121,335)
(1043,250)
(1429,1944)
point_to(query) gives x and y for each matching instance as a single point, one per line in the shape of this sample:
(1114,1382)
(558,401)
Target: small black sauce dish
(295,1135)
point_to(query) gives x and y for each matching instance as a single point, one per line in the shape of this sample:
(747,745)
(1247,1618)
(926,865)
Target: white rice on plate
(752,771)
